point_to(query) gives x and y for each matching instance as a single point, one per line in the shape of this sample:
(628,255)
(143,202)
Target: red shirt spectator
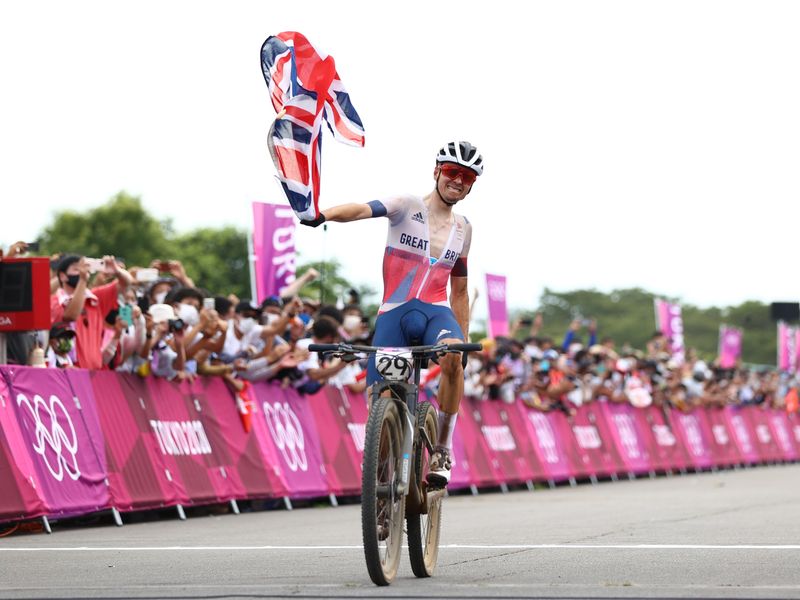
(86,309)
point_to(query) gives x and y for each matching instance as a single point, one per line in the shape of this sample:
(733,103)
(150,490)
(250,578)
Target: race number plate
(394,364)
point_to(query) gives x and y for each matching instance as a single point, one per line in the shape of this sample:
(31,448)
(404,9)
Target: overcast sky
(649,144)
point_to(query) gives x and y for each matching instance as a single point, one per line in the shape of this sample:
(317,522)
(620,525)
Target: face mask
(271,318)
(246,325)
(351,323)
(63,345)
(72,280)
(188,314)
(159,297)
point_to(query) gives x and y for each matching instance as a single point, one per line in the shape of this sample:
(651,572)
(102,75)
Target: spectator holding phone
(86,309)
(175,269)
(164,344)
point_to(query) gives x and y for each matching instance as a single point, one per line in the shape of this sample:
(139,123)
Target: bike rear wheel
(382,507)
(424,529)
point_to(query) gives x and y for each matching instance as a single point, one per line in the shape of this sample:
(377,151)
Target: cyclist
(427,246)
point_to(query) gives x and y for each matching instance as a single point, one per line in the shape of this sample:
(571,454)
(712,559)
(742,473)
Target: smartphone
(208,303)
(163,265)
(32,247)
(126,314)
(96,265)
(146,275)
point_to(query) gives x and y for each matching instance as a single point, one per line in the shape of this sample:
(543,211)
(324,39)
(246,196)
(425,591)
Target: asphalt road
(712,535)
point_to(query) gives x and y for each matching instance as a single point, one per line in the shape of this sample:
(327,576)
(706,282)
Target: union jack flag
(305,89)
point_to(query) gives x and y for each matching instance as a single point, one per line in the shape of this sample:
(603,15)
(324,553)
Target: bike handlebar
(343,347)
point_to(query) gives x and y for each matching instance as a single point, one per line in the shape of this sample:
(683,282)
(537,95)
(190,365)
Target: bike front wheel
(424,529)
(382,507)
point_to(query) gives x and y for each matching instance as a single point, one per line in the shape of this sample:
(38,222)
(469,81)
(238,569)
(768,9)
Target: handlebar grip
(466,347)
(323,347)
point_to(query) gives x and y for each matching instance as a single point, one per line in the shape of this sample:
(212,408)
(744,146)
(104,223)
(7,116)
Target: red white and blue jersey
(409,270)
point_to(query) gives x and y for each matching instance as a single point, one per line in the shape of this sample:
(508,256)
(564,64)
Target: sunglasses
(451,171)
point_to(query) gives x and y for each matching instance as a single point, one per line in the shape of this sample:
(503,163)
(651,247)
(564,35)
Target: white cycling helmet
(461,153)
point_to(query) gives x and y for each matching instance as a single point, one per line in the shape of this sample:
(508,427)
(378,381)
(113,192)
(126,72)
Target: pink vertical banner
(670,323)
(498,310)
(730,346)
(787,347)
(273,248)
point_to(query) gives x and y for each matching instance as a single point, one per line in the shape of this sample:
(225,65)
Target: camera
(175,325)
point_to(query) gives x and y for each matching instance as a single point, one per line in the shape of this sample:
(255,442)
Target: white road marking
(445,546)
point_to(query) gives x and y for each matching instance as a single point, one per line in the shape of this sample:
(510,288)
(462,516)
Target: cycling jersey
(409,271)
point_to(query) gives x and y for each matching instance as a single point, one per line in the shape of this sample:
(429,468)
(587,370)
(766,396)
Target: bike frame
(406,396)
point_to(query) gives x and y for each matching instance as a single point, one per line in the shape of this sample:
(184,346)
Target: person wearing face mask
(85,309)
(159,289)
(62,341)
(243,330)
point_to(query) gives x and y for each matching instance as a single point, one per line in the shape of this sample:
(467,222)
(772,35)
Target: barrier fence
(73,442)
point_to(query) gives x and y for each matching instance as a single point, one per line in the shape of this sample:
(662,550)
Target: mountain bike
(400,436)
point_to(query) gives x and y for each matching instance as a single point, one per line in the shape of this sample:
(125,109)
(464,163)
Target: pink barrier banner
(273,248)
(670,323)
(730,346)
(498,310)
(723,445)
(766,445)
(692,429)
(508,443)
(793,420)
(150,443)
(341,419)
(782,433)
(627,436)
(20,496)
(235,464)
(742,433)
(665,450)
(593,442)
(460,476)
(185,444)
(480,460)
(289,440)
(52,430)
(552,444)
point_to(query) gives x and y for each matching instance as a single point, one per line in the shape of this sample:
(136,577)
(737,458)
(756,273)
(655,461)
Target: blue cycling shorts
(414,323)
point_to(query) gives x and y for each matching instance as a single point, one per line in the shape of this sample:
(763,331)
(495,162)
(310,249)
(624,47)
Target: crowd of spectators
(155,321)
(548,375)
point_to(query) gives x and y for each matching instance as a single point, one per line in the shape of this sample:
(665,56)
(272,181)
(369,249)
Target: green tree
(627,316)
(121,227)
(215,258)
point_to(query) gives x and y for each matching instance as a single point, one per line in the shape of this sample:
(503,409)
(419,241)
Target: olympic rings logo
(287,433)
(56,433)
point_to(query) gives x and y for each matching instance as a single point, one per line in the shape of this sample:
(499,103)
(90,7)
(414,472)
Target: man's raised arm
(344,213)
